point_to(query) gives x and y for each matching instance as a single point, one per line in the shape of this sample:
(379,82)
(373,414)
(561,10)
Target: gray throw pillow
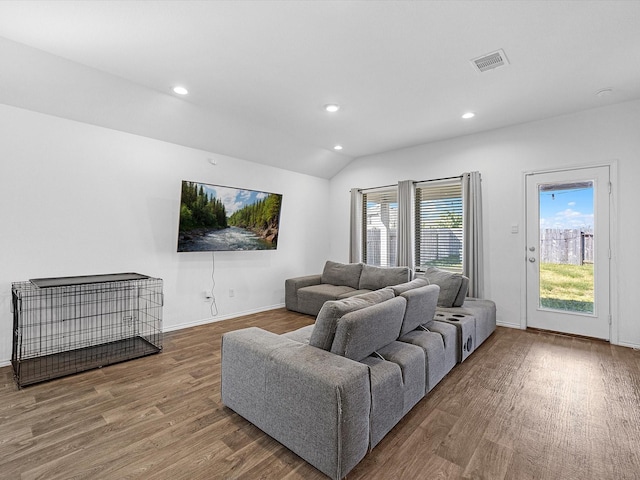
(342,274)
(373,278)
(449,283)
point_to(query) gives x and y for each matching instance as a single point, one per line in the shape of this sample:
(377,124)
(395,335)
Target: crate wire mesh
(62,330)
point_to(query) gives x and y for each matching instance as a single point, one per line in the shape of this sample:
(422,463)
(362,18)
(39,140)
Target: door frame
(613,243)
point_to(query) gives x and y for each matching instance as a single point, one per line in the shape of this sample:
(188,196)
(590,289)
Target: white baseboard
(509,325)
(207,320)
(517,326)
(629,345)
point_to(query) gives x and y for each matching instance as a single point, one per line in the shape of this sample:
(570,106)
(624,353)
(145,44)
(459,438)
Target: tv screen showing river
(217,218)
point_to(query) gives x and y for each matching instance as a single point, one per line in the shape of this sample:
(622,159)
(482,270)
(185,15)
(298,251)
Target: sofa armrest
(314,402)
(291,286)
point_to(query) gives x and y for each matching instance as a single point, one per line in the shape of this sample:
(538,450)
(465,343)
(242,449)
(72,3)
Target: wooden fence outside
(566,246)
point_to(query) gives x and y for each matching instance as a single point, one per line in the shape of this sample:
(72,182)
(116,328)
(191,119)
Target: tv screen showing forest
(218,218)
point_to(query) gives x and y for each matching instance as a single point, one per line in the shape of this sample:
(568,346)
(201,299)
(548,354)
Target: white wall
(502,156)
(77,199)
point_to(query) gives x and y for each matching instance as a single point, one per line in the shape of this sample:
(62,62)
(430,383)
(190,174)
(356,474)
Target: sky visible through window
(567,209)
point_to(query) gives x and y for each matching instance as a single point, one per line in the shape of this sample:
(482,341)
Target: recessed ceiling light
(338,147)
(468,115)
(332,107)
(180,90)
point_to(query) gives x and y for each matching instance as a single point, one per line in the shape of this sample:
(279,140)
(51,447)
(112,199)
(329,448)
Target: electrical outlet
(231,293)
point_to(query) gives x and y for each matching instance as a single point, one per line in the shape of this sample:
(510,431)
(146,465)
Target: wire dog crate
(67,325)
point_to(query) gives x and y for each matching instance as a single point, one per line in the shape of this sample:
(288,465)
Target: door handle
(532,260)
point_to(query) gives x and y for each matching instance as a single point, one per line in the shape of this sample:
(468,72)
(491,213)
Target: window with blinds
(380,227)
(439,234)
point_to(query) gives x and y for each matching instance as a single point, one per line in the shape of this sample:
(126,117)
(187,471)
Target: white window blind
(439,230)
(380,227)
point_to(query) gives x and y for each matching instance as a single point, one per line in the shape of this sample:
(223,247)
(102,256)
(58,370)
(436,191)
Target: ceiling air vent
(490,61)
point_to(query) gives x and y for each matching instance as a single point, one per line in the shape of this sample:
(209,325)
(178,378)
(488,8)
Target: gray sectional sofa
(331,391)
(338,280)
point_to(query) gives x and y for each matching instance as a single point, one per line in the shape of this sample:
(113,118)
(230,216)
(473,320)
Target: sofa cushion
(421,306)
(412,362)
(347,274)
(361,332)
(326,291)
(311,298)
(377,296)
(452,344)
(450,285)
(332,311)
(373,278)
(415,283)
(386,403)
(301,335)
(351,293)
(432,344)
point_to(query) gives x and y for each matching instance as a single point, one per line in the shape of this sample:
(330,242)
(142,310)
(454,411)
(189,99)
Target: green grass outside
(566,287)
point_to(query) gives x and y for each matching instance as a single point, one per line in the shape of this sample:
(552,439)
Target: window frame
(450,238)
(381,196)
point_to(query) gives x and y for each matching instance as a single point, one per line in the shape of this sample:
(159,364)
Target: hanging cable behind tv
(213,306)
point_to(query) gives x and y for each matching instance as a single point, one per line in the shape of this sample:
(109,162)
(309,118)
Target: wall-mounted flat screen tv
(219,218)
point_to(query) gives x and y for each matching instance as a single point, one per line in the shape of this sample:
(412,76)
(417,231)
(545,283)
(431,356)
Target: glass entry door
(567,252)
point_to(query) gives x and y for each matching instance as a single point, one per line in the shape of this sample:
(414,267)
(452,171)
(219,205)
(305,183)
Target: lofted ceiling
(260,72)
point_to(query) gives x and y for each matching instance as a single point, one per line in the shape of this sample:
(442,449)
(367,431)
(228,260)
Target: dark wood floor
(525,405)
